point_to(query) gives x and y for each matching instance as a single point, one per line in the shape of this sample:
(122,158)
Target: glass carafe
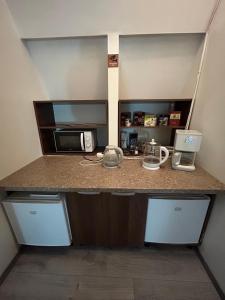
(112,156)
(153,155)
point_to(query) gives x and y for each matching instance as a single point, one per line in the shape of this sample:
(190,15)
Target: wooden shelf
(169,126)
(123,101)
(73,126)
(40,102)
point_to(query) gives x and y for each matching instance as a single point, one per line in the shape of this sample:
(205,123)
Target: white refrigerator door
(175,221)
(39,223)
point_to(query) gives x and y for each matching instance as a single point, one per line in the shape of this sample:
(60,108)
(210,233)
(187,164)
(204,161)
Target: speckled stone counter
(65,174)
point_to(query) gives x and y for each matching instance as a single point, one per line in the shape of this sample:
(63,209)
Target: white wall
(8,245)
(19,86)
(159,66)
(208,117)
(213,246)
(18,132)
(72,68)
(56,18)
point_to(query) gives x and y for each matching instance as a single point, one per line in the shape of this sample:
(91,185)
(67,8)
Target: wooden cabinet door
(127,219)
(108,220)
(89,219)
(137,220)
(118,220)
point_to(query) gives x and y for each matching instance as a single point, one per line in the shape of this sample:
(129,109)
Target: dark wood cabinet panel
(44,113)
(107,220)
(88,219)
(127,219)
(138,206)
(118,220)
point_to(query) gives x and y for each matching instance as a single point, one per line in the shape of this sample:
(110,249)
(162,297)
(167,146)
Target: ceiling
(58,18)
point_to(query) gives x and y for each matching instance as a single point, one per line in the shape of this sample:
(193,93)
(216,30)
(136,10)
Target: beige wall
(19,86)
(8,245)
(208,117)
(159,66)
(74,68)
(54,18)
(18,133)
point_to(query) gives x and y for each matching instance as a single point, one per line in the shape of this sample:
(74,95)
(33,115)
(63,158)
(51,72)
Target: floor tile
(156,273)
(28,286)
(173,290)
(69,262)
(99,288)
(145,263)
(150,264)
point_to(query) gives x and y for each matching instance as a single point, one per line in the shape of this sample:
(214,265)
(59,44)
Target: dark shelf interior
(47,122)
(157,107)
(47,141)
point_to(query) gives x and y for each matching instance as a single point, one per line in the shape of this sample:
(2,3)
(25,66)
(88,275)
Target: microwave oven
(75,140)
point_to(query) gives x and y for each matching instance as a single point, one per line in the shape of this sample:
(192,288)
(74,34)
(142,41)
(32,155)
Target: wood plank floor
(157,273)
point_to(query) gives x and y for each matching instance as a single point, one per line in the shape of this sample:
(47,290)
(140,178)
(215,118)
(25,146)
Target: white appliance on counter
(176,219)
(187,144)
(39,219)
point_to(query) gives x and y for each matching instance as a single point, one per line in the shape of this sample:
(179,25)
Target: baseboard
(211,276)
(10,267)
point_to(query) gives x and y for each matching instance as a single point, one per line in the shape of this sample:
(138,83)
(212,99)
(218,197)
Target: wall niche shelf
(165,127)
(71,114)
(73,126)
(163,134)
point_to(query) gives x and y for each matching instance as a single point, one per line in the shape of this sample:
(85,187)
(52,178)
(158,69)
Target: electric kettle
(112,157)
(153,155)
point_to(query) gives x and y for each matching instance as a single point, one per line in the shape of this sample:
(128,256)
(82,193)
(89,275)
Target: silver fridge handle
(123,193)
(88,193)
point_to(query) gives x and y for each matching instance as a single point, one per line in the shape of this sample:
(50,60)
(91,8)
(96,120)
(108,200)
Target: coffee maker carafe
(187,144)
(153,159)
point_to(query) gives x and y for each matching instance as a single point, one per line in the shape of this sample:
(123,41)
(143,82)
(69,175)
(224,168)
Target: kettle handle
(166,151)
(120,152)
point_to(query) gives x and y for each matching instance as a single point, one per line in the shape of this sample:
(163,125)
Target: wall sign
(113,60)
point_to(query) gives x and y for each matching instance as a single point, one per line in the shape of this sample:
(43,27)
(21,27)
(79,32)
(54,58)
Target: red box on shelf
(175,118)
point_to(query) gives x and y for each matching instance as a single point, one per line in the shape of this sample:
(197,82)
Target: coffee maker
(187,144)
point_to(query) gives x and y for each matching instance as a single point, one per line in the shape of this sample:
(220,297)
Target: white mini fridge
(175,219)
(38,219)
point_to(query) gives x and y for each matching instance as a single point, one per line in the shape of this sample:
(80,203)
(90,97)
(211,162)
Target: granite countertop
(65,174)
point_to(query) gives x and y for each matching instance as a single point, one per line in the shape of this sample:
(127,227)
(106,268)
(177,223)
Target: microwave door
(68,141)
